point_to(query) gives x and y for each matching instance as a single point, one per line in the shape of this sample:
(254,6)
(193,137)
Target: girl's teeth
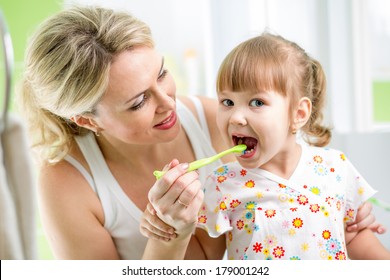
(239,142)
(248,151)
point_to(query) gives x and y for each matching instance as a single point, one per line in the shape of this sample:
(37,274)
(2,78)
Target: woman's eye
(139,102)
(227,102)
(256,103)
(163,73)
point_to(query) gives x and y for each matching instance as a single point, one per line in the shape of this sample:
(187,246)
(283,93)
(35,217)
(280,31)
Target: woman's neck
(142,157)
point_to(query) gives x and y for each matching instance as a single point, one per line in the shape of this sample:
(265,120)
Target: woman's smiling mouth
(167,123)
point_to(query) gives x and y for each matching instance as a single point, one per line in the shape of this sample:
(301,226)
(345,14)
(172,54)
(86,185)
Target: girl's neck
(286,162)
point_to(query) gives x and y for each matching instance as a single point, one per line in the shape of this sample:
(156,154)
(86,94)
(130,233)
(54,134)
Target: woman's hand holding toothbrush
(175,199)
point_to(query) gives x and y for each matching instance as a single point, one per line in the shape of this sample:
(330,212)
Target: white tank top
(121,215)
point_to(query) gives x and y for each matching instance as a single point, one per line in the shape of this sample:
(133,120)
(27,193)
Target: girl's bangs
(251,69)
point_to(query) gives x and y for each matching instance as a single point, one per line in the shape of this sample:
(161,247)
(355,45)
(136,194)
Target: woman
(103,115)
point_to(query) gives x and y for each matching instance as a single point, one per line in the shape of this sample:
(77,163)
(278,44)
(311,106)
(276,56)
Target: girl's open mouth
(250,142)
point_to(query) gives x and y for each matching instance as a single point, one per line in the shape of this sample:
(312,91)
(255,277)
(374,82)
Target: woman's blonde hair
(67,68)
(270,62)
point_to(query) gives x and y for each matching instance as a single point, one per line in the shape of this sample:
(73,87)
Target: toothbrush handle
(202,162)
(158,174)
(192,166)
(199,163)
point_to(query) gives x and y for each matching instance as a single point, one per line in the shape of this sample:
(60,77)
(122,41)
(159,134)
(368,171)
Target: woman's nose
(164,102)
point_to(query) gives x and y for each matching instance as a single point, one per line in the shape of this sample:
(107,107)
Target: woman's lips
(167,123)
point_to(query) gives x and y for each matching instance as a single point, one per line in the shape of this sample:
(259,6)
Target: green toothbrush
(202,162)
(379,203)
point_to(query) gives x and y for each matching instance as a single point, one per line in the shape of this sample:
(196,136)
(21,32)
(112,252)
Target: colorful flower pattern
(268,217)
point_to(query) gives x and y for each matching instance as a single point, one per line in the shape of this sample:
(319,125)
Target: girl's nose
(238,118)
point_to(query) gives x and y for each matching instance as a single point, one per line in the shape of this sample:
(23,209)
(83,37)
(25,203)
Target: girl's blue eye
(227,102)
(256,103)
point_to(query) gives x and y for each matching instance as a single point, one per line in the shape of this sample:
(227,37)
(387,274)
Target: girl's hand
(152,226)
(177,197)
(365,219)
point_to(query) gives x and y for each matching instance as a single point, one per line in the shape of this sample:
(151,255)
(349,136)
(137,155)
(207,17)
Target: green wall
(22,18)
(381,100)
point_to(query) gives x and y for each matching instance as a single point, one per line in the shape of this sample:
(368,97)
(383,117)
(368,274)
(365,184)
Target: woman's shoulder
(209,105)
(210,109)
(62,176)
(62,186)
(59,177)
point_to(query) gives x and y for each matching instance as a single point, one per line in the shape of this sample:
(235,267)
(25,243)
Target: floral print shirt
(267,217)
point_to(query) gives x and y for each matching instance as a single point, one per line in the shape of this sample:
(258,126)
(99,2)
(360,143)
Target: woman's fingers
(149,234)
(185,217)
(184,188)
(378,228)
(188,194)
(196,203)
(152,226)
(359,225)
(365,219)
(155,224)
(165,182)
(151,209)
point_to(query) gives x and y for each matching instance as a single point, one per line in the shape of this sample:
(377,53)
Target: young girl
(282,199)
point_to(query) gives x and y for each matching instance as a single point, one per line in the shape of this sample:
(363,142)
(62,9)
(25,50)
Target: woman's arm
(72,216)
(200,246)
(365,219)
(213,248)
(366,246)
(167,250)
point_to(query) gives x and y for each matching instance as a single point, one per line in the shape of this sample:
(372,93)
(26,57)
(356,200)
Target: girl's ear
(302,113)
(86,122)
